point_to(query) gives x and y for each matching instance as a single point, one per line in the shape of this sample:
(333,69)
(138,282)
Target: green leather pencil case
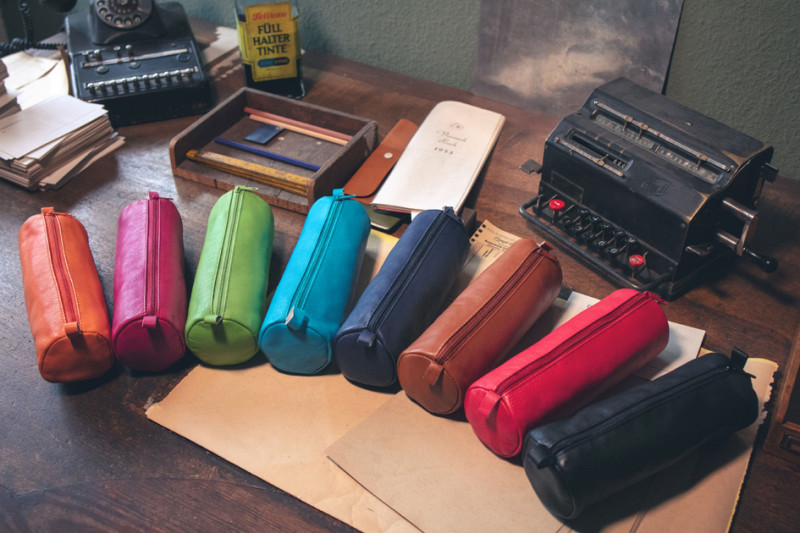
(228,296)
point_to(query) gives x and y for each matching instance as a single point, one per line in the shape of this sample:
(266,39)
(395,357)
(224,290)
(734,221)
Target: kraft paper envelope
(437,474)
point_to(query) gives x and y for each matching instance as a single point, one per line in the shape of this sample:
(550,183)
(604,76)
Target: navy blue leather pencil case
(403,299)
(312,296)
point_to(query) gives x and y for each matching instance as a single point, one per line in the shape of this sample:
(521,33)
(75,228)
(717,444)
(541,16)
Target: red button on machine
(556,204)
(636,261)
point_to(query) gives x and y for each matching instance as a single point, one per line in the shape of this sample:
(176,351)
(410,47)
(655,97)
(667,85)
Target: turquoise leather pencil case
(312,296)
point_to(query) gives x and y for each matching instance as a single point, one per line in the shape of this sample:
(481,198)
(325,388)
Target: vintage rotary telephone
(139,59)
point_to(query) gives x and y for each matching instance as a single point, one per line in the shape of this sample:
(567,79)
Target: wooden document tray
(230,121)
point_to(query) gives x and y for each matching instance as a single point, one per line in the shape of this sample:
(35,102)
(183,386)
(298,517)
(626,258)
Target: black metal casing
(655,195)
(144,74)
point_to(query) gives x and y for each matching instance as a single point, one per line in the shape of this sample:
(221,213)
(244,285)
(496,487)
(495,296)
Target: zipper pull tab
(488,406)
(546,246)
(432,373)
(655,297)
(212,320)
(47,210)
(296,319)
(366,338)
(72,329)
(150,322)
(541,456)
(242,188)
(338,194)
(738,360)
(153,195)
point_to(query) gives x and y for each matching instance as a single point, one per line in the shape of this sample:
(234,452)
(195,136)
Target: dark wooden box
(229,120)
(783,438)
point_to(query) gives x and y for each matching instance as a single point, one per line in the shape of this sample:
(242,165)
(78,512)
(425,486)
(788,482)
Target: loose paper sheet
(44,123)
(437,474)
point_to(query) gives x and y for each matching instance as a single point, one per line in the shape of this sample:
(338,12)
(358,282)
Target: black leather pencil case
(403,298)
(619,441)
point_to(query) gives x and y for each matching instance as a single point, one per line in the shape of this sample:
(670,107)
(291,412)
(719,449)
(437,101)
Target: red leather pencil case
(64,298)
(149,286)
(567,369)
(476,331)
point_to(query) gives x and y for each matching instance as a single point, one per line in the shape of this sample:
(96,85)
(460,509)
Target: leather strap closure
(368,178)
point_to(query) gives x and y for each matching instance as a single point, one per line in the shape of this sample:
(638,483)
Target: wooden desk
(85,457)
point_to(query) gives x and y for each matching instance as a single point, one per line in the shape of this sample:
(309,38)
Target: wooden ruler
(273,177)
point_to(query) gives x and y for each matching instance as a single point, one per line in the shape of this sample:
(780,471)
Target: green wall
(734,60)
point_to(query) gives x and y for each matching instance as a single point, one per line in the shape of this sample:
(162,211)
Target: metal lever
(749,218)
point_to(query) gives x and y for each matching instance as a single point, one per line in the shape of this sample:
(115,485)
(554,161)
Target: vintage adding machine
(650,193)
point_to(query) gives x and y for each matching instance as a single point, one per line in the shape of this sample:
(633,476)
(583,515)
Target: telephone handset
(139,59)
(114,21)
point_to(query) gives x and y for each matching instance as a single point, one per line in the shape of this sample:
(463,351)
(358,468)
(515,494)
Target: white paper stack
(45,145)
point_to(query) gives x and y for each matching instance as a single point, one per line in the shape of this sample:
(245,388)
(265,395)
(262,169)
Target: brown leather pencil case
(64,298)
(478,329)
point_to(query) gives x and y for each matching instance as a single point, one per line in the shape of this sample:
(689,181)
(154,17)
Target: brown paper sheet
(277,427)
(437,474)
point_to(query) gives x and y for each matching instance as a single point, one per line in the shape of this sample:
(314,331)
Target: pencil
(265,153)
(300,127)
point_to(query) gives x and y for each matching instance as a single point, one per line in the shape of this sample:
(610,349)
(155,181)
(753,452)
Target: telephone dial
(139,59)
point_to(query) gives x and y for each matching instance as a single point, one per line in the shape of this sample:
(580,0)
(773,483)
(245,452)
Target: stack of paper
(8,102)
(45,145)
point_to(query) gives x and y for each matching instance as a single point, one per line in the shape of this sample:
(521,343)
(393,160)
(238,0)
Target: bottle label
(269,41)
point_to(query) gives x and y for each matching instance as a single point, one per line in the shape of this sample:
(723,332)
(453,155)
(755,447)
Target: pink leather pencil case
(567,369)
(149,288)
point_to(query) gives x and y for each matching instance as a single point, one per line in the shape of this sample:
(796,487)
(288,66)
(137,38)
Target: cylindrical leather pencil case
(478,329)
(313,294)
(64,299)
(403,298)
(149,286)
(621,440)
(566,369)
(228,296)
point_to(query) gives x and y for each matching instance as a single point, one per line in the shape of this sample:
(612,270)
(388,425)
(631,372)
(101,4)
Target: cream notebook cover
(443,159)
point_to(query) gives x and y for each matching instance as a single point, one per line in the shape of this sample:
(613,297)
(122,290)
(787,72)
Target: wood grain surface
(85,457)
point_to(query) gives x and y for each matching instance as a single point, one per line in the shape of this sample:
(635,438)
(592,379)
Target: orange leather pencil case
(64,298)
(478,329)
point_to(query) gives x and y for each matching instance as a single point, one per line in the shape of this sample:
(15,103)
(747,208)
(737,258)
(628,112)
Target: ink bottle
(269,44)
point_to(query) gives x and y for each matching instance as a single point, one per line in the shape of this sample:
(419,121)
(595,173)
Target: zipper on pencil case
(58,262)
(224,263)
(507,288)
(367,337)
(150,319)
(576,439)
(296,318)
(531,369)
